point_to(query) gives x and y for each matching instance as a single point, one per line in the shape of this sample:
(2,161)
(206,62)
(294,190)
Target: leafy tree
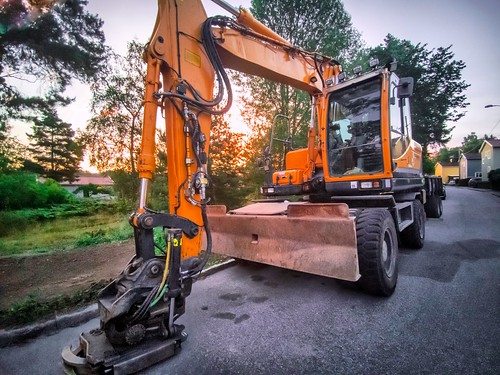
(323,27)
(126,186)
(112,135)
(45,42)
(428,166)
(52,147)
(158,197)
(439,94)
(229,184)
(448,154)
(472,143)
(11,153)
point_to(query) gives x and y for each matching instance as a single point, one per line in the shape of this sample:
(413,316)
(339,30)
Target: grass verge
(66,233)
(34,308)
(215,259)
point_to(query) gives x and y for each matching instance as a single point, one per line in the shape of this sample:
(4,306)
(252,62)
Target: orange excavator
(360,181)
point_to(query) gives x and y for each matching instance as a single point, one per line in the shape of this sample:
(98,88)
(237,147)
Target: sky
(472,27)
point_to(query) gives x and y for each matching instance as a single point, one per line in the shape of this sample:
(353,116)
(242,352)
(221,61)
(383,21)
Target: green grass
(34,308)
(215,259)
(65,233)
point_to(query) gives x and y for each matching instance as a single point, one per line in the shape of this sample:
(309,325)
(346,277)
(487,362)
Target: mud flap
(309,237)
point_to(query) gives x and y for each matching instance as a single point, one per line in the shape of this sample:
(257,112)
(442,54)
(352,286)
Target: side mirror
(405,87)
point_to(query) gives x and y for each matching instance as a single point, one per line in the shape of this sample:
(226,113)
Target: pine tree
(45,41)
(53,149)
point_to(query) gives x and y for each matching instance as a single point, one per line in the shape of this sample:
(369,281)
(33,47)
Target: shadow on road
(441,262)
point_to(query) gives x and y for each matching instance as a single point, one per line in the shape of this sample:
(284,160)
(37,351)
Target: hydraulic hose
(208,250)
(223,82)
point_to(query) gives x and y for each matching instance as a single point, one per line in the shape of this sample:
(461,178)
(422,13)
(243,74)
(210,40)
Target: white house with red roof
(83,179)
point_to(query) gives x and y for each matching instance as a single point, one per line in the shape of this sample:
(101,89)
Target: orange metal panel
(180,57)
(249,55)
(288,177)
(384,123)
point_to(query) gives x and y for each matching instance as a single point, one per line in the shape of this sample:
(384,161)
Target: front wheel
(377,252)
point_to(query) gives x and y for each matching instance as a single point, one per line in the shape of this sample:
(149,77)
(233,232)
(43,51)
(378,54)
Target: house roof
(495,143)
(471,156)
(89,178)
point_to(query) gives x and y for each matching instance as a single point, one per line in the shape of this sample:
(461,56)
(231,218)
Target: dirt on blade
(61,272)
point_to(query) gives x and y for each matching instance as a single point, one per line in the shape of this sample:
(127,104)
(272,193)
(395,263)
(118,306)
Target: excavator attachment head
(315,238)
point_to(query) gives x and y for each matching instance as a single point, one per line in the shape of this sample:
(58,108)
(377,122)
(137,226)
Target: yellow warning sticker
(192,58)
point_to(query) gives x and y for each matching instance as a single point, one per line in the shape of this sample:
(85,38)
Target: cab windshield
(353,130)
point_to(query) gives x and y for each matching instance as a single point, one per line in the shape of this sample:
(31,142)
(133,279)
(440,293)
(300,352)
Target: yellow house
(448,171)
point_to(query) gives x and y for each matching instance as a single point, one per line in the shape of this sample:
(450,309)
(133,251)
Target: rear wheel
(434,207)
(414,235)
(377,252)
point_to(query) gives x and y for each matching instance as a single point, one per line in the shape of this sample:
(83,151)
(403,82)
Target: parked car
(474,181)
(443,193)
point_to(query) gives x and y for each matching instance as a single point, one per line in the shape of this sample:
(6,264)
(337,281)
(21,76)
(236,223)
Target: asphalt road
(444,317)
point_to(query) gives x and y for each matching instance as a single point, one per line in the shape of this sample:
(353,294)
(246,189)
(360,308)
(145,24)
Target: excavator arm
(190,52)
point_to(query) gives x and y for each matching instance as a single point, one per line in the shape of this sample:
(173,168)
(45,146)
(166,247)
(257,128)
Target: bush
(56,194)
(494,179)
(428,166)
(92,189)
(158,193)
(483,185)
(126,185)
(22,190)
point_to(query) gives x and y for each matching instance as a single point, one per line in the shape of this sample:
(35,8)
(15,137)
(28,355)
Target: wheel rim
(388,255)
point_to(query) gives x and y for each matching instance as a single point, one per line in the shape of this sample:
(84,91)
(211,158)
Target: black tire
(377,252)
(434,207)
(414,235)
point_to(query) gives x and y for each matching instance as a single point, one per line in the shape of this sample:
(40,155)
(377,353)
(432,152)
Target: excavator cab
(353,139)
(364,142)
(368,146)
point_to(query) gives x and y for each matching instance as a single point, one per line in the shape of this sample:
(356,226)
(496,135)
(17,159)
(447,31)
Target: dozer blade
(307,237)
